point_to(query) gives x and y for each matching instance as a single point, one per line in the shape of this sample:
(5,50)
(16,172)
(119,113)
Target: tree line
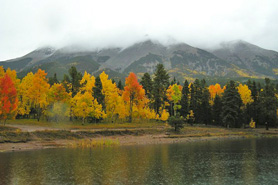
(93,99)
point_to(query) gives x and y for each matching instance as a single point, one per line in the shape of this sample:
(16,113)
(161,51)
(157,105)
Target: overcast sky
(28,24)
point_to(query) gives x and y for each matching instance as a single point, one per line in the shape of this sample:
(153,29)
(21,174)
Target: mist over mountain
(230,60)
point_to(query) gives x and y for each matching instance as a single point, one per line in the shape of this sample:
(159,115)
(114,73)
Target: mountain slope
(232,60)
(249,57)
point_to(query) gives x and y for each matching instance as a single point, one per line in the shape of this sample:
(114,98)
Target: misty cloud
(27,25)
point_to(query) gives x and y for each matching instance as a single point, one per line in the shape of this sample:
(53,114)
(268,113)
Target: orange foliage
(215,90)
(133,90)
(8,98)
(133,93)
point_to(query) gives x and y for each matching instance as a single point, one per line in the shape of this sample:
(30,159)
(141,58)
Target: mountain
(262,62)
(232,60)
(59,61)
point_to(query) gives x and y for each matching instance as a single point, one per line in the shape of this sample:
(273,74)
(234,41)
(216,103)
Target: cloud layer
(27,25)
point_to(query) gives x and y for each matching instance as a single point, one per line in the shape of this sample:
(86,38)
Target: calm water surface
(250,161)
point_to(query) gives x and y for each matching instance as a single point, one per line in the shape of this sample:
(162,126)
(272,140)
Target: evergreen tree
(268,104)
(75,78)
(253,109)
(173,81)
(161,83)
(231,106)
(97,92)
(120,85)
(216,110)
(66,81)
(147,84)
(196,100)
(53,80)
(205,109)
(184,100)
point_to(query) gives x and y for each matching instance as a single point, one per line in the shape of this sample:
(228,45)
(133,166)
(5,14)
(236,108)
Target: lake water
(245,161)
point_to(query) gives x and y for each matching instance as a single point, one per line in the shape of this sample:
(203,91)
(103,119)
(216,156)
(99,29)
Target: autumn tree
(245,94)
(8,98)
(24,96)
(59,102)
(133,92)
(2,71)
(84,104)
(114,103)
(247,100)
(174,96)
(38,92)
(215,90)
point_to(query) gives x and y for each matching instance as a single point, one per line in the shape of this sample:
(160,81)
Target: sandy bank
(123,140)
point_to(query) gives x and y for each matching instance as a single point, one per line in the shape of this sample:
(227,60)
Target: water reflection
(252,161)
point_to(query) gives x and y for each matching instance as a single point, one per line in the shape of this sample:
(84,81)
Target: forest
(90,99)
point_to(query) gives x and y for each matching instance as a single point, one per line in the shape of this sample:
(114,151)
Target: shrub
(177,122)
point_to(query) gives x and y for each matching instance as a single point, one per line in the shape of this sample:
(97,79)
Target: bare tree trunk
(130,111)
(38,114)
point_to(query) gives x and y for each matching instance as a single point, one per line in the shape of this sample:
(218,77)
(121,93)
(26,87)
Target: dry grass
(89,143)
(79,125)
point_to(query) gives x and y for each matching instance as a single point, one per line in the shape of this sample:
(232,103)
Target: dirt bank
(33,138)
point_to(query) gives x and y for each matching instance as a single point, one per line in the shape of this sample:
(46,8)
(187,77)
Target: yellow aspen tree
(24,104)
(2,71)
(245,94)
(38,92)
(59,102)
(173,94)
(84,104)
(164,115)
(114,104)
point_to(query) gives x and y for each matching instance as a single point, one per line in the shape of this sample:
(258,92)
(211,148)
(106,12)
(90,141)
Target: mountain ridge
(231,59)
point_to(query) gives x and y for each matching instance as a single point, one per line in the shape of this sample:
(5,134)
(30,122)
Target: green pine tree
(53,80)
(231,106)
(98,92)
(120,85)
(216,110)
(75,78)
(268,104)
(205,109)
(147,84)
(161,82)
(184,100)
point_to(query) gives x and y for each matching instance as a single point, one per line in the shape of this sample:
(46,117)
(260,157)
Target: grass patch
(15,137)
(56,134)
(88,143)
(7,128)
(134,132)
(79,125)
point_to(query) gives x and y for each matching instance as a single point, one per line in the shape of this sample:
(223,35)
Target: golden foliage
(245,94)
